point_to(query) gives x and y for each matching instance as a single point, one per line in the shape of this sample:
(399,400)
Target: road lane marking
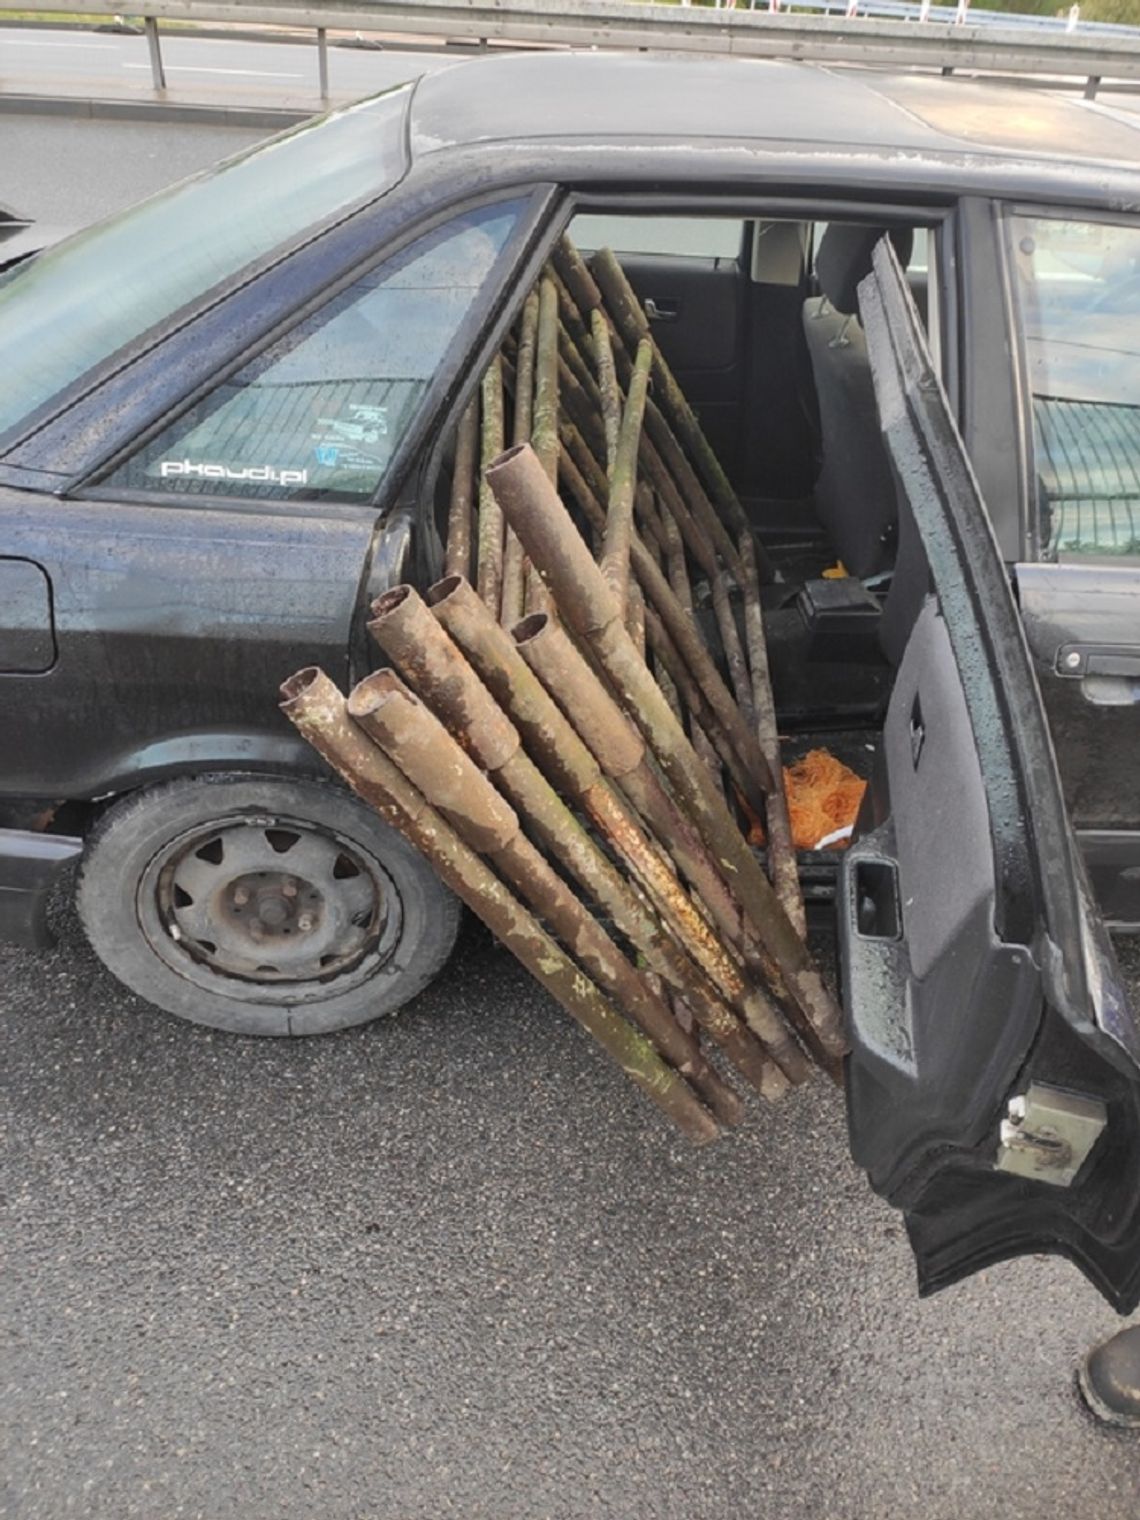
(189,68)
(106,47)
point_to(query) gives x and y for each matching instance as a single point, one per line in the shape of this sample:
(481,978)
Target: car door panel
(173,627)
(980,985)
(699,306)
(1083,626)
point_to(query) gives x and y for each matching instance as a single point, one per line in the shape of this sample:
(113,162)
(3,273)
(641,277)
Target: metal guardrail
(882,41)
(1069,20)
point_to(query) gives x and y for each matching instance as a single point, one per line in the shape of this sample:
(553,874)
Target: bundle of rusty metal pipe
(578,755)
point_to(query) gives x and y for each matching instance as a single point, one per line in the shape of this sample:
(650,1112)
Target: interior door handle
(663,311)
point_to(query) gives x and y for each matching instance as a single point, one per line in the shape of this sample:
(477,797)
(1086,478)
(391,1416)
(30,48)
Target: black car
(226,419)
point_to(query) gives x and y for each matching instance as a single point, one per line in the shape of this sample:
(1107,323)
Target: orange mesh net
(823,796)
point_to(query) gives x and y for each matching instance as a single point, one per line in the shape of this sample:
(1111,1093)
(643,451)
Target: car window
(705,237)
(1078,295)
(321,411)
(77,305)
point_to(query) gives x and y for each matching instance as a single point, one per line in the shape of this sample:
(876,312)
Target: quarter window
(321,412)
(1078,290)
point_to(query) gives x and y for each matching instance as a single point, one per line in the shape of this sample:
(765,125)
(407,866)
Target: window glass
(705,237)
(1078,287)
(74,306)
(321,411)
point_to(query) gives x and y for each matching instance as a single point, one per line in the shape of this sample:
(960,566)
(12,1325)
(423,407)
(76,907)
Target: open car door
(993,1087)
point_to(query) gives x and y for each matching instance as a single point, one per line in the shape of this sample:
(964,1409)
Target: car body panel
(513,99)
(31,863)
(174,626)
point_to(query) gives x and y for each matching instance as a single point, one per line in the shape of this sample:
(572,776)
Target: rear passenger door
(1076,334)
(993,1084)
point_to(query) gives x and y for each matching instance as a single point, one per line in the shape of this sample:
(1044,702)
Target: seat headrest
(844,258)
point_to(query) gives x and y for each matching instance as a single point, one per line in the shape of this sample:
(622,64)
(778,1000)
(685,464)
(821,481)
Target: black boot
(1109,1378)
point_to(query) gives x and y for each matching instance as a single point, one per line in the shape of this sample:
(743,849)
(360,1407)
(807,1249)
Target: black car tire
(184,853)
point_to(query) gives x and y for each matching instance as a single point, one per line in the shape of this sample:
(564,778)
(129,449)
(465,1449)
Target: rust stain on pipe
(534,509)
(567,763)
(415,740)
(514,560)
(781,847)
(490,561)
(566,675)
(618,539)
(457,560)
(317,709)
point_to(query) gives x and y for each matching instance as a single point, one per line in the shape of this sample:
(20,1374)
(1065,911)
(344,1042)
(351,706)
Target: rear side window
(1078,294)
(76,306)
(320,412)
(693,237)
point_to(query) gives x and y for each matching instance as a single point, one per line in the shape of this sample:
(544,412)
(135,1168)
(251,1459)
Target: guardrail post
(157,72)
(1092,85)
(323,61)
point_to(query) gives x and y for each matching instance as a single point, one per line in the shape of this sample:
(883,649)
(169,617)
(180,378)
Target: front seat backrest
(855,493)
(843,258)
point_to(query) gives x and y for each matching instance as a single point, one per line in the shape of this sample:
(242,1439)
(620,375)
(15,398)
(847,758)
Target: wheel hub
(271,900)
(263,904)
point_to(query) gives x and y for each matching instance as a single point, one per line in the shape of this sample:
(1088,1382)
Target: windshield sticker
(188,469)
(344,443)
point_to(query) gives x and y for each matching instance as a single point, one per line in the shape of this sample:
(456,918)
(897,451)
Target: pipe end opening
(444,588)
(530,627)
(390,600)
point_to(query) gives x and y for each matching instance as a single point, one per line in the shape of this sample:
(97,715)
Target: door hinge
(1047,1134)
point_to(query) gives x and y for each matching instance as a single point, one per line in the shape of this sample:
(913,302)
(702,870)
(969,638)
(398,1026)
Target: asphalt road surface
(448,1265)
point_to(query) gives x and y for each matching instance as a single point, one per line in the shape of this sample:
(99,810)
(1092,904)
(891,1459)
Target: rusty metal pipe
(544,429)
(580,411)
(574,687)
(544,421)
(514,560)
(317,709)
(457,555)
(571,356)
(709,739)
(727,729)
(568,313)
(576,276)
(490,563)
(683,631)
(666,460)
(607,384)
(435,666)
(416,741)
(735,659)
(555,547)
(682,681)
(620,751)
(618,539)
(782,865)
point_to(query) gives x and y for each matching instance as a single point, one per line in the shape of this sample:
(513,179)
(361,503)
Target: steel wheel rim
(204,891)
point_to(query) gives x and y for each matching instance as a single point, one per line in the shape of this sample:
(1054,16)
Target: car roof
(612,97)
